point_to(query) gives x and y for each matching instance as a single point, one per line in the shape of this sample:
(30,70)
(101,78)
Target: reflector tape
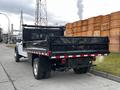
(66,56)
(99,55)
(62,56)
(45,54)
(106,54)
(92,55)
(53,57)
(76,56)
(70,56)
(39,53)
(85,55)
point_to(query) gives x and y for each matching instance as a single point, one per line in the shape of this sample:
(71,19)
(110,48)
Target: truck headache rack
(32,32)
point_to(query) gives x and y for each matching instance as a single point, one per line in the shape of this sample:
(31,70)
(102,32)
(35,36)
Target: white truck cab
(19,52)
(20,49)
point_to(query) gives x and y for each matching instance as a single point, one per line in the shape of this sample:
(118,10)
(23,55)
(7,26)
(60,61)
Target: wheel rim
(15,54)
(35,66)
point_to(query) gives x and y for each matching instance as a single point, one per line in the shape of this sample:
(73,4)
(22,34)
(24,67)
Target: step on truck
(48,50)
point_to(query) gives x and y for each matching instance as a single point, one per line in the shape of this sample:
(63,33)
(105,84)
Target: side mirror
(19,40)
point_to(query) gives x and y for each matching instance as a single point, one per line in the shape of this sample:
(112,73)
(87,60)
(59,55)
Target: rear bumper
(65,55)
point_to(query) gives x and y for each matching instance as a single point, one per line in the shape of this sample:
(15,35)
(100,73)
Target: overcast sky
(59,11)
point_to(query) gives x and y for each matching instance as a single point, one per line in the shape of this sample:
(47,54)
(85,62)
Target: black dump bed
(52,39)
(80,45)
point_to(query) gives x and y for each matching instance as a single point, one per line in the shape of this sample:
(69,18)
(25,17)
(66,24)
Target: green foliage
(110,64)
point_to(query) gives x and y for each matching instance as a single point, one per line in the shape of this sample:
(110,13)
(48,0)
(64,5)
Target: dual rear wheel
(41,68)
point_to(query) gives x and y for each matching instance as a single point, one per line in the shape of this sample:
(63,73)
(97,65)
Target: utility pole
(12,29)
(21,20)
(41,13)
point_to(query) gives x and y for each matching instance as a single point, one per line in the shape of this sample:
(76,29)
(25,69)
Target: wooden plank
(77,30)
(85,22)
(115,16)
(114,39)
(115,32)
(106,18)
(84,28)
(77,34)
(105,26)
(84,33)
(90,33)
(115,24)
(91,20)
(79,23)
(97,26)
(96,33)
(90,27)
(105,33)
(98,19)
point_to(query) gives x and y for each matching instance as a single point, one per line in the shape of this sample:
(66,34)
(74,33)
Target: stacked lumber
(103,25)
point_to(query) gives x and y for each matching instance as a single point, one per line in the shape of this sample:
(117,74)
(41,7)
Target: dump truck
(48,50)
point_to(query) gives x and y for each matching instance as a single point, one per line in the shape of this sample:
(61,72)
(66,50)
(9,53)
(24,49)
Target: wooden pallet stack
(77,30)
(115,32)
(97,26)
(90,26)
(84,27)
(69,30)
(103,25)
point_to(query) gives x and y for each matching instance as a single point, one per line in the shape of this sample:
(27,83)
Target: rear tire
(17,56)
(81,70)
(41,68)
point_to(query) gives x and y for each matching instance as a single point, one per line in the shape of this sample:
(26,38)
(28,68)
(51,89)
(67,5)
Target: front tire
(41,68)
(16,55)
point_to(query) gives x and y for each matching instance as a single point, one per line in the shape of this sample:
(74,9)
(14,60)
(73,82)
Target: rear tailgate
(78,46)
